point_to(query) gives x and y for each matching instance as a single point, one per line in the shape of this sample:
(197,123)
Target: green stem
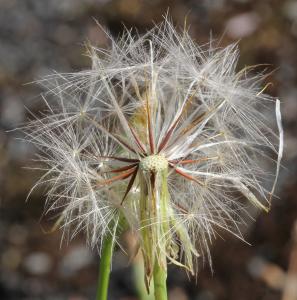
(160,276)
(104,270)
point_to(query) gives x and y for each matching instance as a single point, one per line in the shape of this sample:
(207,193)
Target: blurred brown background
(38,36)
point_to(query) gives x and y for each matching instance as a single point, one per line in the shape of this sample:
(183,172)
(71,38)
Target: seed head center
(155,163)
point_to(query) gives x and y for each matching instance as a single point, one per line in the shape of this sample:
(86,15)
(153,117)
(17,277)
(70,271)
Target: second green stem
(104,270)
(160,276)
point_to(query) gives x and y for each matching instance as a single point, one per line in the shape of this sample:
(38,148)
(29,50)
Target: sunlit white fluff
(157,94)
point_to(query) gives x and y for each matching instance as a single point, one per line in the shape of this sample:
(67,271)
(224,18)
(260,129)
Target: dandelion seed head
(163,133)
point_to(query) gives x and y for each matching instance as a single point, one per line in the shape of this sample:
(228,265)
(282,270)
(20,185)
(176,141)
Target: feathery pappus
(162,135)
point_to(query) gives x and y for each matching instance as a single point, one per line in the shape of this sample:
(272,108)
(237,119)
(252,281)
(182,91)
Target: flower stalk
(154,205)
(104,269)
(160,277)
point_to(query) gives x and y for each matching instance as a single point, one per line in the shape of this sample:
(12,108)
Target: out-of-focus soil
(37,37)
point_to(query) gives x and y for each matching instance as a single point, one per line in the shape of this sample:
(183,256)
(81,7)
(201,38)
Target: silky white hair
(159,93)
